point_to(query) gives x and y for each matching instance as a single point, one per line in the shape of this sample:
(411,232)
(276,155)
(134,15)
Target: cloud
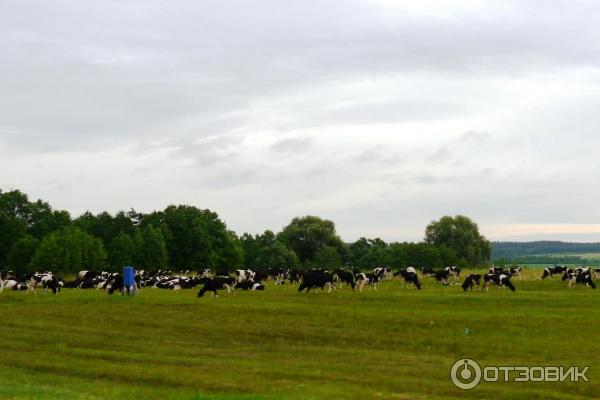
(297,144)
(380,115)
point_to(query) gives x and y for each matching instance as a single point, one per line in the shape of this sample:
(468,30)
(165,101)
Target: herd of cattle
(316,278)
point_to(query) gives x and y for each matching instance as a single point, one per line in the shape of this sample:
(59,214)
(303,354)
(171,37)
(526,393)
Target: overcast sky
(380,115)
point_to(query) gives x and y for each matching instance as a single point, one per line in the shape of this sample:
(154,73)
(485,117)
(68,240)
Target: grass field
(393,343)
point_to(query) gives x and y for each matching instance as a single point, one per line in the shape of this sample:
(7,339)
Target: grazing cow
(551,271)
(249,285)
(369,278)
(345,277)
(10,284)
(244,275)
(442,276)
(515,271)
(410,276)
(217,283)
(115,283)
(295,276)
(427,271)
(383,272)
(316,278)
(47,280)
(453,271)
(500,280)
(496,270)
(470,281)
(4,278)
(581,276)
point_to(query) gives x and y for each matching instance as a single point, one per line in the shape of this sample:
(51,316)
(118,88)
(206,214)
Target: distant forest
(544,252)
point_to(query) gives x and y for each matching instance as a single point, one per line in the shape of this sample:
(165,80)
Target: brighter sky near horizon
(380,115)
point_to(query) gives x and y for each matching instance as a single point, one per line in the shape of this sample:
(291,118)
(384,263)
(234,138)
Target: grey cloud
(296,144)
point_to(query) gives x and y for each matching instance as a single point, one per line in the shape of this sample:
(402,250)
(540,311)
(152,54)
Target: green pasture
(394,343)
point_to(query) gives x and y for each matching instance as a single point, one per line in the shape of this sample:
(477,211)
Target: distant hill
(549,252)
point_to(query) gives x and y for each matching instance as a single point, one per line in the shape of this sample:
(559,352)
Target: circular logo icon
(465,374)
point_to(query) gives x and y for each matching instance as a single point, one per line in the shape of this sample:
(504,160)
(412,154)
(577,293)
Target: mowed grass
(392,343)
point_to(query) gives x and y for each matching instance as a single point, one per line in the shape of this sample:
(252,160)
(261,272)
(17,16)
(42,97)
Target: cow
(427,271)
(244,275)
(316,278)
(217,283)
(369,278)
(579,276)
(442,276)
(596,273)
(383,272)
(410,276)
(470,281)
(47,280)
(453,271)
(249,285)
(496,270)
(551,271)
(501,280)
(11,284)
(295,275)
(115,283)
(345,277)
(514,271)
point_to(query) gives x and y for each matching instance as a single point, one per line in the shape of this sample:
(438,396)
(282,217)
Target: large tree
(19,217)
(460,235)
(150,248)
(197,238)
(69,250)
(306,235)
(121,252)
(21,253)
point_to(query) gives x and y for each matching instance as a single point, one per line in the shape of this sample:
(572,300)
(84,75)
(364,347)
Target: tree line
(35,237)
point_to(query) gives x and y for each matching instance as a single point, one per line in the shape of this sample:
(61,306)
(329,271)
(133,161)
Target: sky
(379,115)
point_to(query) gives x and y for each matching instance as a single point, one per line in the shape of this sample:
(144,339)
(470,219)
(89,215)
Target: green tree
(121,252)
(197,238)
(306,235)
(327,257)
(21,253)
(150,248)
(461,235)
(69,250)
(270,252)
(19,216)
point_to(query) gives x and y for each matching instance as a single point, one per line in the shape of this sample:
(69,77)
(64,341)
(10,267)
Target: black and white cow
(244,275)
(442,276)
(346,277)
(47,280)
(515,271)
(427,271)
(249,285)
(383,272)
(369,278)
(496,270)
(581,276)
(11,284)
(551,271)
(500,280)
(295,275)
(453,271)
(410,276)
(470,281)
(217,283)
(316,278)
